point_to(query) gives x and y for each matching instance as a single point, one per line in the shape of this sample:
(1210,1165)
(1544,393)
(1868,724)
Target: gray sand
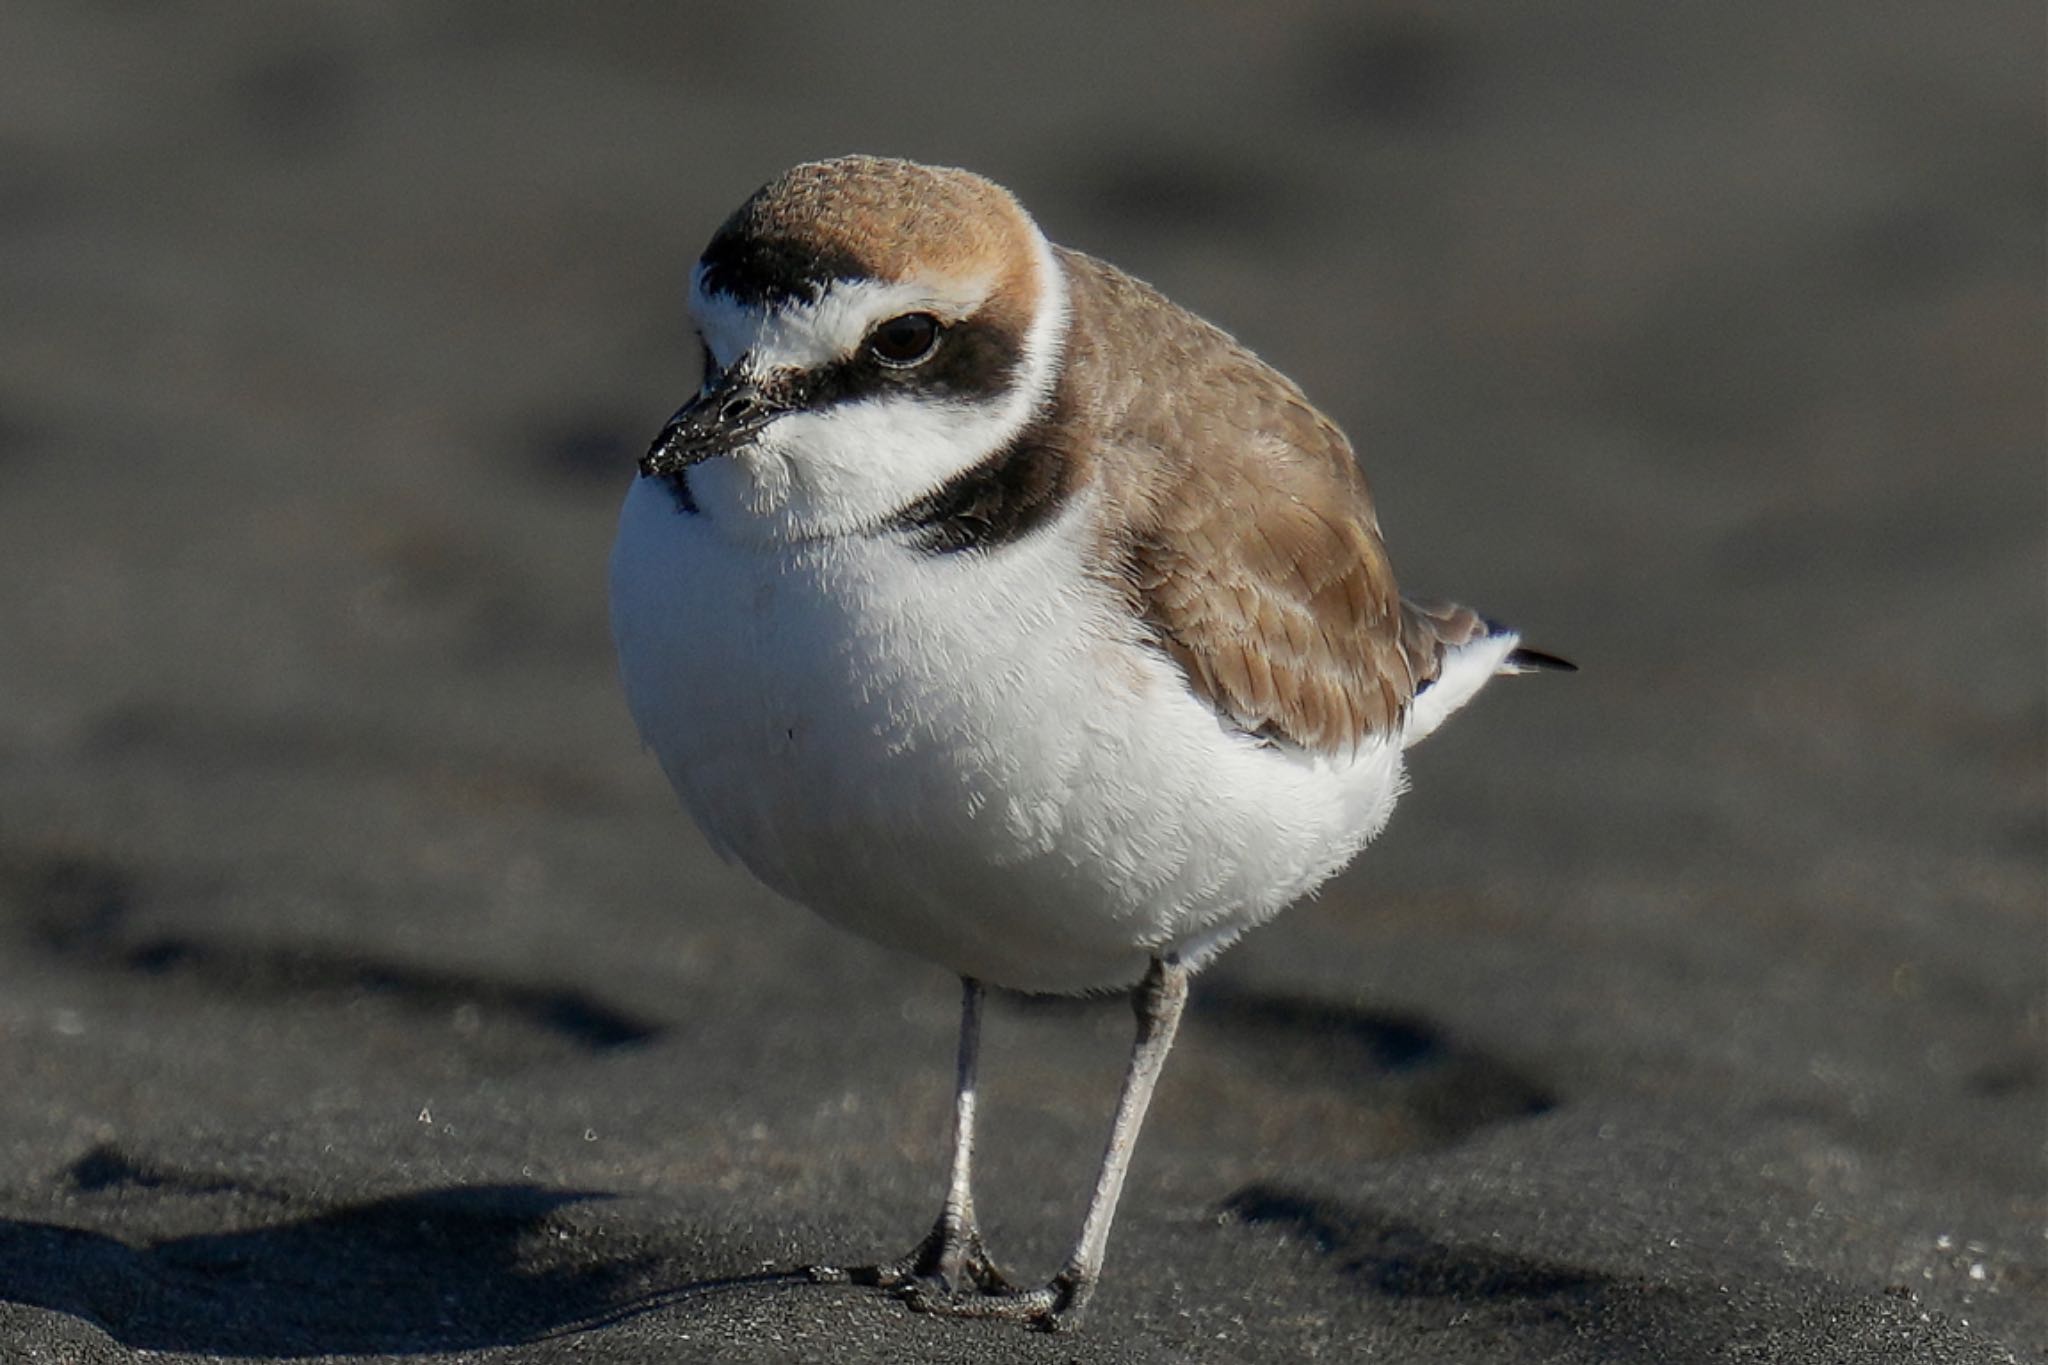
(363,993)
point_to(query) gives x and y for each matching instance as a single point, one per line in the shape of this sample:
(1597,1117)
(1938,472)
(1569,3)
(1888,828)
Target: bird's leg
(1157,1001)
(950,1259)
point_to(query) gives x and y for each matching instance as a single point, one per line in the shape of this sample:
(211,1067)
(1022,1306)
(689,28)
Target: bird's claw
(1052,1307)
(950,1274)
(949,1263)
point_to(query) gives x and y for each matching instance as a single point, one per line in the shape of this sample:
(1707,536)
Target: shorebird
(1005,613)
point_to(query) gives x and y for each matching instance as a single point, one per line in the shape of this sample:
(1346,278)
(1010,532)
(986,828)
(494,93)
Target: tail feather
(1453,651)
(1522,660)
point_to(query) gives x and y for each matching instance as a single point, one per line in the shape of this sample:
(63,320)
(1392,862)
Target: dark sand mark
(1401,1260)
(593,451)
(1401,72)
(222,742)
(1577,1312)
(69,903)
(1905,539)
(17,434)
(300,102)
(1180,192)
(292,974)
(1506,1305)
(33,191)
(79,910)
(106,1167)
(2017,1075)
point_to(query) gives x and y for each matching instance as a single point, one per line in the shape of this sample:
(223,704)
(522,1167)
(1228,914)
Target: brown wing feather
(1249,539)
(1429,629)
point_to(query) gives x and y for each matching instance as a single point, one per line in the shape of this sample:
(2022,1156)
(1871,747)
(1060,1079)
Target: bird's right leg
(950,1261)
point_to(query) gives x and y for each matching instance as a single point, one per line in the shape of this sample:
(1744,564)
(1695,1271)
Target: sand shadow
(1432,1088)
(1552,1308)
(295,973)
(1398,1259)
(437,1270)
(1445,1088)
(80,910)
(1576,1314)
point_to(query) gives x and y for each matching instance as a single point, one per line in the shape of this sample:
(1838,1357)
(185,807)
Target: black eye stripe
(975,360)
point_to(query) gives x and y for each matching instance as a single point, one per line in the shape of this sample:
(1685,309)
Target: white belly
(970,757)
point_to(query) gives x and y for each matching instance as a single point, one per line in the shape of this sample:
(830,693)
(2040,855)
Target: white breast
(971,757)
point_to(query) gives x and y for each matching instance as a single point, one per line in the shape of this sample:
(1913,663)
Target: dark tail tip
(1536,661)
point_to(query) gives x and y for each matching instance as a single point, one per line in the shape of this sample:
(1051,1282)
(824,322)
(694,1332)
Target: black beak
(715,422)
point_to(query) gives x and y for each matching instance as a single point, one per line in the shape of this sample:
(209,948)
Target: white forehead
(804,333)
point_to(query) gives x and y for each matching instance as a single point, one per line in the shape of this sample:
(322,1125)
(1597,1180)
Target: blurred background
(1705,343)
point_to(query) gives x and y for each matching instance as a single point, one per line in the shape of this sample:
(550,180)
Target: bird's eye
(904,341)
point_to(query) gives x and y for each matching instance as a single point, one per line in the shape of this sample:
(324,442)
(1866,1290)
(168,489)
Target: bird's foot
(1054,1307)
(950,1263)
(950,1274)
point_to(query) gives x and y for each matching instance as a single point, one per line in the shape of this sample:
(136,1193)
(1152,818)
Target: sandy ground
(363,994)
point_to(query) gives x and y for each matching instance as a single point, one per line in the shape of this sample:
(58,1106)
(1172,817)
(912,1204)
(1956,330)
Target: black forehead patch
(755,270)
